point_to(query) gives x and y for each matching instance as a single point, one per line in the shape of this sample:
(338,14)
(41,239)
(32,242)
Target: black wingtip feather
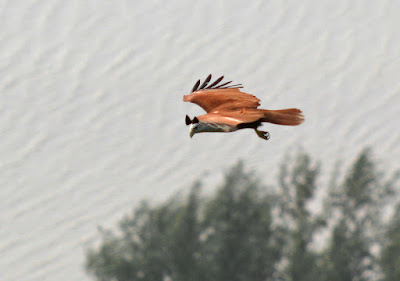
(232,86)
(214,85)
(216,82)
(196,86)
(218,87)
(205,82)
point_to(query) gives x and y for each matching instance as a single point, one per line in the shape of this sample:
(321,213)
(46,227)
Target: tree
(390,257)
(228,236)
(242,242)
(298,187)
(141,252)
(245,231)
(390,260)
(355,208)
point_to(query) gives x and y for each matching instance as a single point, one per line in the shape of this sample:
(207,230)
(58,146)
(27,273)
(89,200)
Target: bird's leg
(262,134)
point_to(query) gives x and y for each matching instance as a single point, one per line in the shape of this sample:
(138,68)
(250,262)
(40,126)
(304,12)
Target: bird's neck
(216,127)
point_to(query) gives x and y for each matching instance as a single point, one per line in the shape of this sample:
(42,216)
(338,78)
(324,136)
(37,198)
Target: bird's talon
(262,134)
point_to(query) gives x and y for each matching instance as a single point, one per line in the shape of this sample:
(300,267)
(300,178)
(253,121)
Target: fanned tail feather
(290,117)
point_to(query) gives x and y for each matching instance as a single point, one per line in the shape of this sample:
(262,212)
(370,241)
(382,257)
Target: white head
(199,128)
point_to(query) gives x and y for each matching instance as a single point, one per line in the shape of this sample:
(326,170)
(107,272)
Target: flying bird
(228,110)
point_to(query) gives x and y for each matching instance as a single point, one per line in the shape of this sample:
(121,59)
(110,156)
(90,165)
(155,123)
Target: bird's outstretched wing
(224,97)
(233,118)
(290,117)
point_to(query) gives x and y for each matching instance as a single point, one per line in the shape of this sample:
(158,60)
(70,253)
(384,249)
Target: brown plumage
(228,109)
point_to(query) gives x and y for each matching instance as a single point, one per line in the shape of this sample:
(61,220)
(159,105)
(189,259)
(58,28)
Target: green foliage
(390,260)
(356,206)
(142,252)
(242,243)
(298,187)
(242,232)
(226,237)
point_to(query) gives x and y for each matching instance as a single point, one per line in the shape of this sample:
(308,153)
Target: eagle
(228,110)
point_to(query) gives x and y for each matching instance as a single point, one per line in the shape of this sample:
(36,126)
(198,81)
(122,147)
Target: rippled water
(92,118)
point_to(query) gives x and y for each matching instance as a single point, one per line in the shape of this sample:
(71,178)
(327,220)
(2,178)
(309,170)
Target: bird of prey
(228,110)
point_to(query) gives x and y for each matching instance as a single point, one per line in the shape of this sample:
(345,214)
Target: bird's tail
(291,116)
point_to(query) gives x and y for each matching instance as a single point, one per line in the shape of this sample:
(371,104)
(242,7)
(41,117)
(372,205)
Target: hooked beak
(191,132)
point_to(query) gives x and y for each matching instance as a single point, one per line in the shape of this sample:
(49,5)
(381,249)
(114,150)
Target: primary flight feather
(228,110)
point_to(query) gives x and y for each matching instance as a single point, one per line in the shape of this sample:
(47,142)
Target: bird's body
(228,110)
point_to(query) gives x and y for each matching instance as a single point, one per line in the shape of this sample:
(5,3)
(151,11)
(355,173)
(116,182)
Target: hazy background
(92,118)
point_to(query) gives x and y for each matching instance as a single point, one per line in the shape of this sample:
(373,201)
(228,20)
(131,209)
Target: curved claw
(262,134)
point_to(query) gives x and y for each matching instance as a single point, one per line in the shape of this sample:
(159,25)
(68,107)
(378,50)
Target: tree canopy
(248,231)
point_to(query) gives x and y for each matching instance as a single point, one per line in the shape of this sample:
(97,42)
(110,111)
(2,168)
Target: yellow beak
(191,133)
